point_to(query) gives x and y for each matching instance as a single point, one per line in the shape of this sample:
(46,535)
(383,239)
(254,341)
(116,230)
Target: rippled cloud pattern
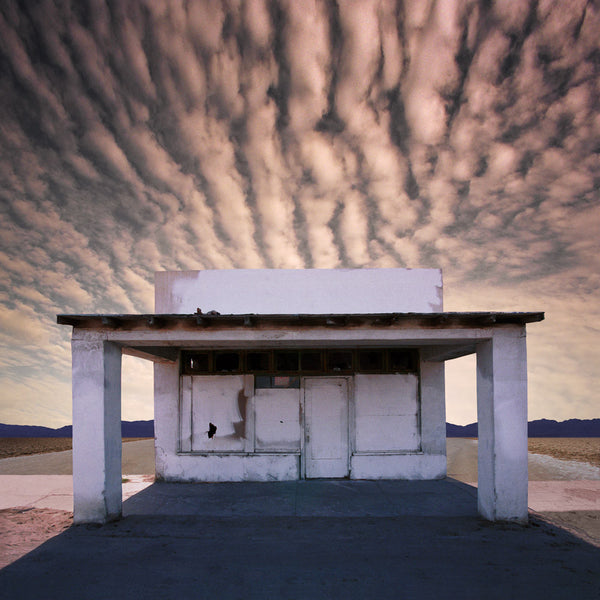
(140,136)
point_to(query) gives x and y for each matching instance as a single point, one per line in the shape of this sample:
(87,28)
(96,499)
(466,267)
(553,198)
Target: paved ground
(309,539)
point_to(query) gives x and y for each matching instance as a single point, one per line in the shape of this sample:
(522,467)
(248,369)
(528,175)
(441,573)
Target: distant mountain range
(128,429)
(539,428)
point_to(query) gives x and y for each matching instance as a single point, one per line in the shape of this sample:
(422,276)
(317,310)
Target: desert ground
(25,446)
(579,449)
(585,450)
(24,529)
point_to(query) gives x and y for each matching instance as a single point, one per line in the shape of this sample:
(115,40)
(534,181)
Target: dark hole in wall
(212,429)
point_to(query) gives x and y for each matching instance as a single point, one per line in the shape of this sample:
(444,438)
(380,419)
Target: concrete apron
(45,481)
(301,498)
(54,491)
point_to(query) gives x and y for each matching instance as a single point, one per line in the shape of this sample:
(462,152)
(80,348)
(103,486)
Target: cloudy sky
(143,136)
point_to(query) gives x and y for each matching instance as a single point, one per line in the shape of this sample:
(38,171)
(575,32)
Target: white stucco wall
(383,429)
(398,466)
(296,291)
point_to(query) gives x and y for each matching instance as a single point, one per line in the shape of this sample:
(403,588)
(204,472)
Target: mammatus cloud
(144,136)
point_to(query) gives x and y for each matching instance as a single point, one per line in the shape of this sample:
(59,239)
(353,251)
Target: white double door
(326,427)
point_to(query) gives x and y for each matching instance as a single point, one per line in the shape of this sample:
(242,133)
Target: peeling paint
(217,421)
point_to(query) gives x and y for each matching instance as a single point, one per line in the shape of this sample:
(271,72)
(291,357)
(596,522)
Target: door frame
(349,422)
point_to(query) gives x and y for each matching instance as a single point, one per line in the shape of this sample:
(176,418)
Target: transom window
(294,363)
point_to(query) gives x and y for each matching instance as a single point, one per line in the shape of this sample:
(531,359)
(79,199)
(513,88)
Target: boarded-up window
(217,406)
(387,410)
(277,420)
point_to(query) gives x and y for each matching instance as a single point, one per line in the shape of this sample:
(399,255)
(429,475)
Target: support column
(97,495)
(502,423)
(168,419)
(433,413)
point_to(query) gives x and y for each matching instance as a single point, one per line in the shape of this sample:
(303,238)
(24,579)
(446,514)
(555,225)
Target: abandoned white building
(269,375)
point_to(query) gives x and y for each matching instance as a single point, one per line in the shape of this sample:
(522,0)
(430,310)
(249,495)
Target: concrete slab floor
(307,498)
(56,492)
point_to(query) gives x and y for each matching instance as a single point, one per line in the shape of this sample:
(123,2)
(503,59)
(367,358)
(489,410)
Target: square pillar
(502,424)
(433,412)
(167,419)
(97,493)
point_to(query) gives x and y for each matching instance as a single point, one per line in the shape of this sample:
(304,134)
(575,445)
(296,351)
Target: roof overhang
(158,337)
(199,320)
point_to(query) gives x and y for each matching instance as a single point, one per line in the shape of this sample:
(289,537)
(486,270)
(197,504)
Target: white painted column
(502,420)
(168,418)
(433,413)
(97,496)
